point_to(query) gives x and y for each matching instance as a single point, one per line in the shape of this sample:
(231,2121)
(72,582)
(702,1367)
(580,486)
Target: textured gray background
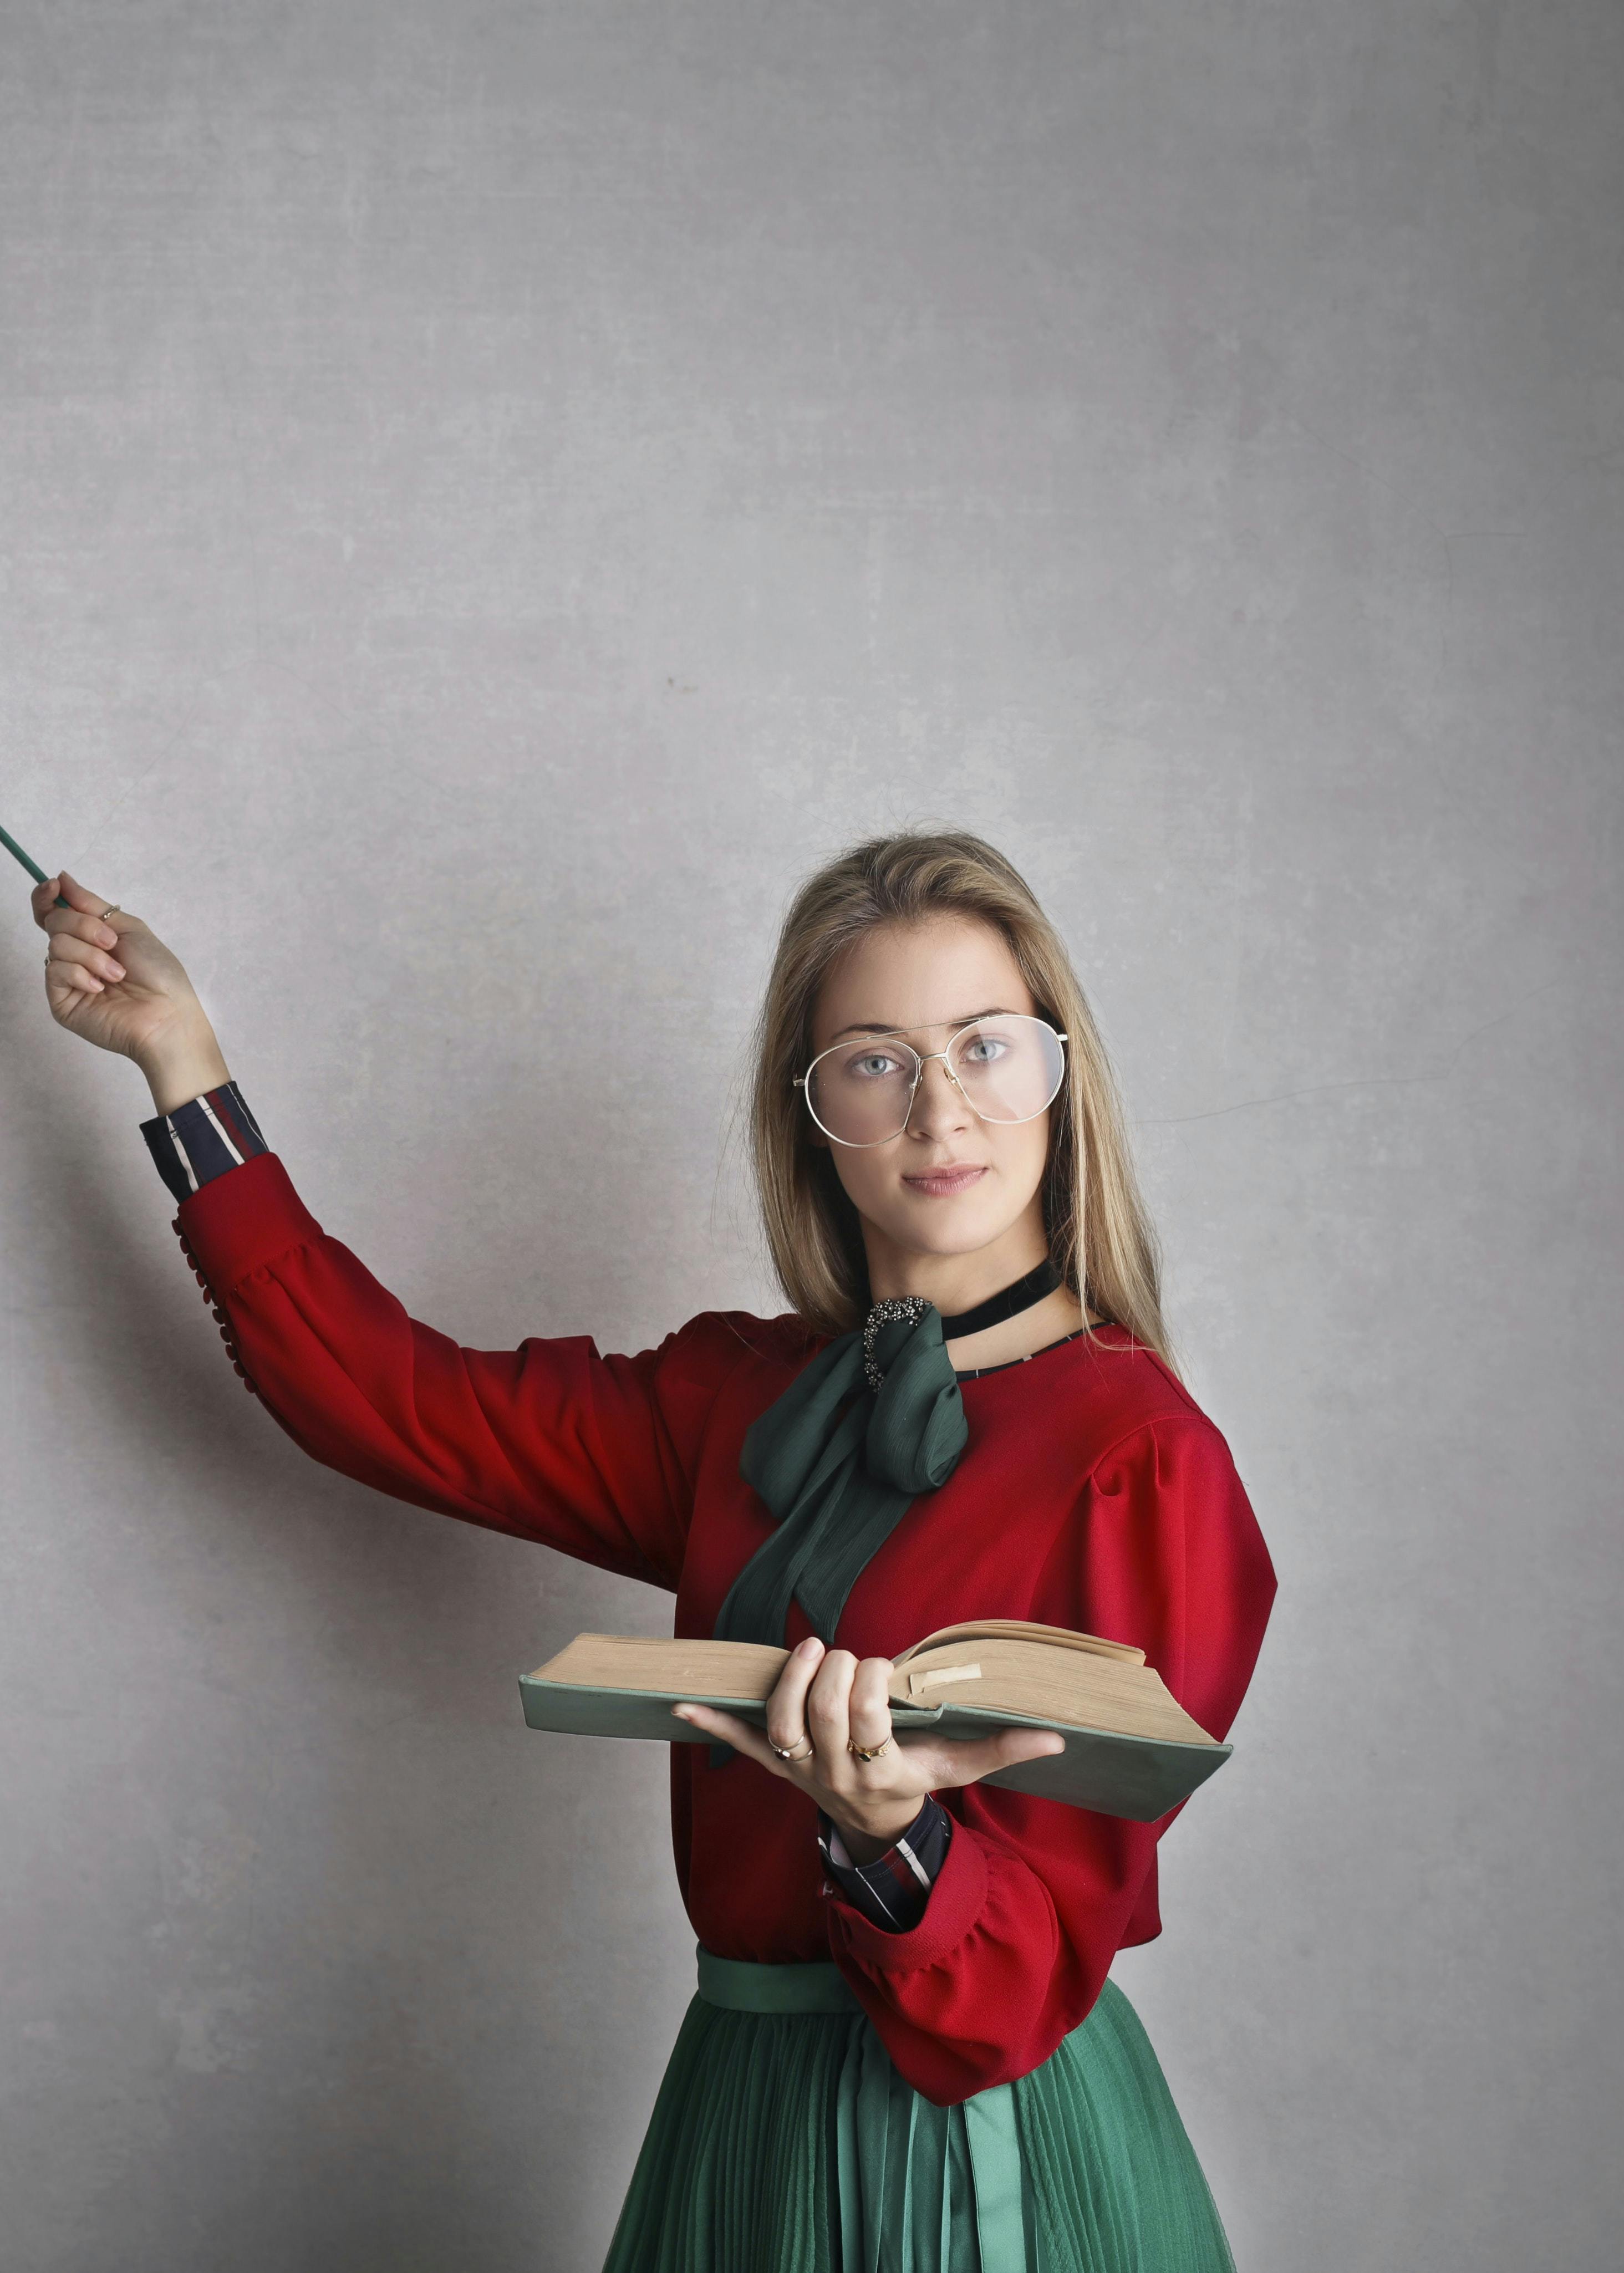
(490,494)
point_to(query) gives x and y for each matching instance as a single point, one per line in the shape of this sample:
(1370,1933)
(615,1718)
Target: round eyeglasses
(1007,1068)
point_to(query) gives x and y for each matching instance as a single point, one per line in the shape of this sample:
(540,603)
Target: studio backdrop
(491,497)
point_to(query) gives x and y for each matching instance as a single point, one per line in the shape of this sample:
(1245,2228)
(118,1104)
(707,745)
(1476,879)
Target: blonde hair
(1100,1234)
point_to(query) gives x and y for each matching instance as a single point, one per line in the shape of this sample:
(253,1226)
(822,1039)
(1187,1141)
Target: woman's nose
(939,1104)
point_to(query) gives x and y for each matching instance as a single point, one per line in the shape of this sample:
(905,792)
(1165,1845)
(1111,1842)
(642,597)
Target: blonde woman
(905,2050)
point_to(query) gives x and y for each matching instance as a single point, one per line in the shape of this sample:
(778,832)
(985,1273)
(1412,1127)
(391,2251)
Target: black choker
(1007,1304)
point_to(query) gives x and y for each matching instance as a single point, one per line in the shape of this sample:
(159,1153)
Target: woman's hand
(826,1698)
(115,982)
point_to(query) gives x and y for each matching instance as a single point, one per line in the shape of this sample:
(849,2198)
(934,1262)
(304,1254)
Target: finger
(65,979)
(76,923)
(83,914)
(66,947)
(829,1712)
(786,1707)
(869,1707)
(44,895)
(80,896)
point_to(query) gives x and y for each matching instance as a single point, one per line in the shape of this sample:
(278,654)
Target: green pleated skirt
(784,2140)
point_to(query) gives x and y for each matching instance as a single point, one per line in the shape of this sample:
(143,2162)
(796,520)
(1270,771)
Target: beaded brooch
(904,1308)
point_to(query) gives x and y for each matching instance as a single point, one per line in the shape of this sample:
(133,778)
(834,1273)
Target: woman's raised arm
(552,1441)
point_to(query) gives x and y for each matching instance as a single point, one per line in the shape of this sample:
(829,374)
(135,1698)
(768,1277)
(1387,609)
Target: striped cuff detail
(892,1892)
(202,1138)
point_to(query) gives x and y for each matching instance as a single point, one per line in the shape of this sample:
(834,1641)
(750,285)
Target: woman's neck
(957,1282)
(954,1283)
(1051,1320)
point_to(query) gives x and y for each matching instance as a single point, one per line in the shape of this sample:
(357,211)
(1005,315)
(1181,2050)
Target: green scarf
(839,1462)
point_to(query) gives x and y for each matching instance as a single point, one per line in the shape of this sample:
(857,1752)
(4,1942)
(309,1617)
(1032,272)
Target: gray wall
(491,494)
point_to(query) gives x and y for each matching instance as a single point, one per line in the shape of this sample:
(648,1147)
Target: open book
(1132,1749)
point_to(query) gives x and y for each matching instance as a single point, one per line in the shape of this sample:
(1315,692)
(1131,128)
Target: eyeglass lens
(1009,1068)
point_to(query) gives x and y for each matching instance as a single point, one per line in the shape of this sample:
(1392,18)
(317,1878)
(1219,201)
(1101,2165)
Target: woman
(904,2051)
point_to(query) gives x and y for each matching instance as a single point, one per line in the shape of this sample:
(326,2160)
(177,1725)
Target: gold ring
(866,1751)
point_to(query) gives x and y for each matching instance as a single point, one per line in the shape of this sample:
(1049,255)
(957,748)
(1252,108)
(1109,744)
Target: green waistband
(743,1987)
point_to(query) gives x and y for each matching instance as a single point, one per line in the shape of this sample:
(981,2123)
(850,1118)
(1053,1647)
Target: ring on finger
(867,1752)
(792,1754)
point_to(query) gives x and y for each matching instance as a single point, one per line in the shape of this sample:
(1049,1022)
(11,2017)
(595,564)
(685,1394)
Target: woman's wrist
(868,1838)
(183,1061)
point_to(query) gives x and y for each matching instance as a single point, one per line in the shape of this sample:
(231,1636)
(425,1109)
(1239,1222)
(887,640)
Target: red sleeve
(552,1442)
(1032,1902)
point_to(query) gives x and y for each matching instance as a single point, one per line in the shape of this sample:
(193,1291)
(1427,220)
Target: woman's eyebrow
(869,1027)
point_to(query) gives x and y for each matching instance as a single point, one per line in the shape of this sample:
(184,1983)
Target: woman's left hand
(824,1701)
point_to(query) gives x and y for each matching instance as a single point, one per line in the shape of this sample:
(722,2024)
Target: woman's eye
(985,1049)
(873,1067)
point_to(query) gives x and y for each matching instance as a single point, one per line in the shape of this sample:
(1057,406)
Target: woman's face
(951,1184)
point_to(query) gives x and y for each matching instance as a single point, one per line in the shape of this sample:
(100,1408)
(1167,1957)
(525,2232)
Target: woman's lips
(943,1183)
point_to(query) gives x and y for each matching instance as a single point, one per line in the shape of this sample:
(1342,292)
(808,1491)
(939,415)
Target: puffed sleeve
(594,1455)
(1034,1896)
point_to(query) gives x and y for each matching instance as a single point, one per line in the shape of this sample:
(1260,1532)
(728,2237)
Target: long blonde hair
(1099,1234)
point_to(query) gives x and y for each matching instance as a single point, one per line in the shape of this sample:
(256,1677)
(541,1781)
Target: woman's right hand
(114,981)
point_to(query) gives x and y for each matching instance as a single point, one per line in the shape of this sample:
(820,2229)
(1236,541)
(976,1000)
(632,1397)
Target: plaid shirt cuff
(202,1138)
(892,1890)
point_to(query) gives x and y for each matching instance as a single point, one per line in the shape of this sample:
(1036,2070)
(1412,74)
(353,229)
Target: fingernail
(809,1647)
(117,969)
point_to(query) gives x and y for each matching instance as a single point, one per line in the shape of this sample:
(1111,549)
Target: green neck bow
(873,1420)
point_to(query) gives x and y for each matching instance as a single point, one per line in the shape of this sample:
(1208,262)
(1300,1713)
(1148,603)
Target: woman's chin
(939,1227)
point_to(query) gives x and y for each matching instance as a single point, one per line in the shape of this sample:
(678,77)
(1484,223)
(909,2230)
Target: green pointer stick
(12,845)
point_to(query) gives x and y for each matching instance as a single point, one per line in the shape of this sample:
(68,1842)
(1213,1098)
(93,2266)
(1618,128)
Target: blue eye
(986,1049)
(874,1066)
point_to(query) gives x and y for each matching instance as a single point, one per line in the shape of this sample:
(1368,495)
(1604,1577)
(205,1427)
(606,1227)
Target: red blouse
(1093,1494)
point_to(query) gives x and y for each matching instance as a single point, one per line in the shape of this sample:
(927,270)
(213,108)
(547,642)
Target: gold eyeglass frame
(803,1081)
